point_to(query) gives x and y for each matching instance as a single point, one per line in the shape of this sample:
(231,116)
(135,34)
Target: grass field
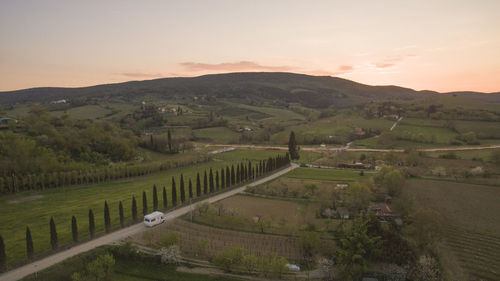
(437,134)
(63,203)
(473,233)
(86,112)
(295,188)
(484,154)
(482,129)
(326,174)
(217,134)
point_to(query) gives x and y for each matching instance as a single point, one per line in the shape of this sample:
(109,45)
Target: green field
(86,112)
(483,154)
(428,133)
(326,174)
(63,203)
(217,134)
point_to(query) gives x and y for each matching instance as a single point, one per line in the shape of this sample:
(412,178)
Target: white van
(154,218)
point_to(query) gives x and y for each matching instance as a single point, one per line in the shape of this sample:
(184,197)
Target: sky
(436,45)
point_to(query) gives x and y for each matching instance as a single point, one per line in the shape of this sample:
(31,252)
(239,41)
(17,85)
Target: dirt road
(346,148)
(116,236)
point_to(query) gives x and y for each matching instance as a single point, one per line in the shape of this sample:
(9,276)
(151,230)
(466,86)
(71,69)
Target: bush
(170,239)
(229,258)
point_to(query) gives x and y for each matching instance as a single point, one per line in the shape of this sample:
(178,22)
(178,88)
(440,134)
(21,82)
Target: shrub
(170,239)
(229,258)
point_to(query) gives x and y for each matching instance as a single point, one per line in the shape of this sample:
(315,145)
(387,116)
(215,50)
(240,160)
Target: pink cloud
(233,66)
(346,67)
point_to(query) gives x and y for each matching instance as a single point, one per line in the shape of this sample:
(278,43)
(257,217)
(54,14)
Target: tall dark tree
(53,234)
(74,229)
(238,178)
(174,193)
(190,189)
(211,180)
(198,185)
(134,209)
(3,257)
(29,244)
(91,224)
(155,198)
(222,179)
(107,219)
(242,172)
(169,137)
(120,212)
(228,177)
(205,183)
(233,176)
(183,191)
(250,172)
(165,202)
(144,203)
(260,168)
(217,186)
(292,147)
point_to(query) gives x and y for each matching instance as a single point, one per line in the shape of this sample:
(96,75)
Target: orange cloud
(232,66)
(346,67)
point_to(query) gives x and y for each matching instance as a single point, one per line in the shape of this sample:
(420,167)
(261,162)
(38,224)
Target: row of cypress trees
(224,178)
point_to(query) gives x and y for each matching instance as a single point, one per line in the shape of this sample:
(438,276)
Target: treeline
(165,143)
(214,180)
(21,182)
(40,144)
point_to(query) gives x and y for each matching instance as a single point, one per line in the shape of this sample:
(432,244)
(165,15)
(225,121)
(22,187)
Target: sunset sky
(437,45)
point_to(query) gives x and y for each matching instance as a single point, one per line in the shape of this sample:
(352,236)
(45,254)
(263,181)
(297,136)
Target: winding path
(116,236)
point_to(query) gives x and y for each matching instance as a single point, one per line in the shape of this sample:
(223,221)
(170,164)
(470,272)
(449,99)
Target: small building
(342,186)
(382,210)
(343,213)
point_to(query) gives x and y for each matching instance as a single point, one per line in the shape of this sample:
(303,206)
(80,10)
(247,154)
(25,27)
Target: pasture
(327,174)
(296,188)
(217,134)
(261,215)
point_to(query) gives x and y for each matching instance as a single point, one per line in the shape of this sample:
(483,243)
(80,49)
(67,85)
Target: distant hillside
(310,91)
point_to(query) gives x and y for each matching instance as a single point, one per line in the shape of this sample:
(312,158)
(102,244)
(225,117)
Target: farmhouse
(382,210)
(343,213)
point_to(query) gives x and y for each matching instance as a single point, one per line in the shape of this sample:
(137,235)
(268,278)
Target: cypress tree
(53,234)
(233,176)
(165,202)
(155,198)
(292,147)
(205,183)
(249,166)
(211,180)
(217,180)
(238,179)
(107,219)
(74,229)
(198,185)
(190,189)
(183,192)
(134,209)
(120,212)
(3,257)
(29,244)
(222,179)
(169,136)
(144,203)
(242,172)
(228,177)
(174,193)
(260,168)
(91,224)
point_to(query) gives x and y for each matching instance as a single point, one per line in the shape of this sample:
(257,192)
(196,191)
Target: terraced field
(477,253)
